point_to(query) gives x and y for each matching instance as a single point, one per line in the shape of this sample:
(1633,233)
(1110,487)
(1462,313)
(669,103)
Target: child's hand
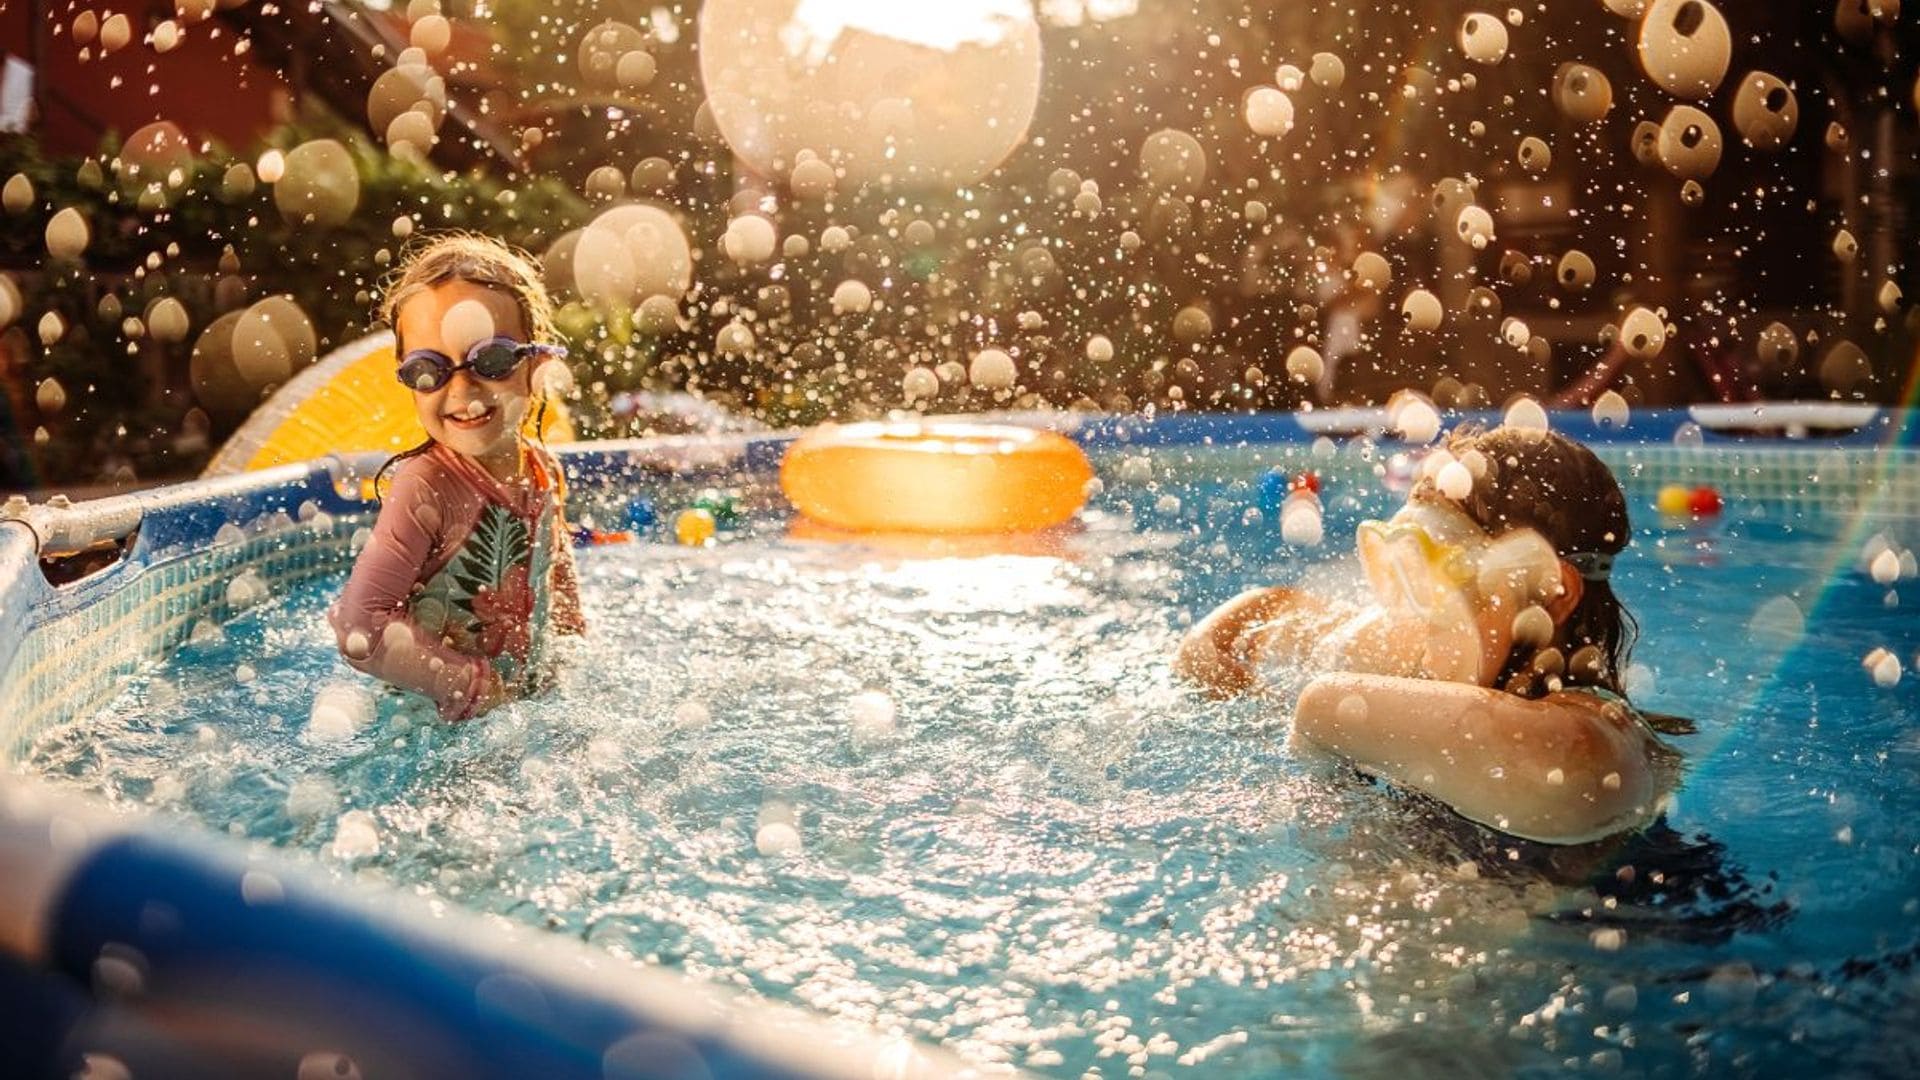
(492,695)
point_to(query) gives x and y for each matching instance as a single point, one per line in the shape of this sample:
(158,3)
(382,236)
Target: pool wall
(313,953)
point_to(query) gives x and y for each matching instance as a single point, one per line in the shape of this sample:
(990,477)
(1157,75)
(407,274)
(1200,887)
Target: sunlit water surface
(963,798)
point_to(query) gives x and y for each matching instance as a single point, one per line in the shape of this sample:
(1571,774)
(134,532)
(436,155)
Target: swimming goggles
(427,370)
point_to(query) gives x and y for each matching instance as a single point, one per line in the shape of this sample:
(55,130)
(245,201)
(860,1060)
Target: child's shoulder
(417,476)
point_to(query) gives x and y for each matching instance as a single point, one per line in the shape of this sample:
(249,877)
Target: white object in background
(16,95)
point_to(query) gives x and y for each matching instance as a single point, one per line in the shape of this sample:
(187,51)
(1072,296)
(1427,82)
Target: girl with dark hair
(470,558)
(1486,672)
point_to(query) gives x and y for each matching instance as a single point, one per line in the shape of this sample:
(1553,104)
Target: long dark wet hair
(1544,481)
(480,259)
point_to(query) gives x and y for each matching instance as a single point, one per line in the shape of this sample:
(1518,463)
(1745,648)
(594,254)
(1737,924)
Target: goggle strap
(1593,565)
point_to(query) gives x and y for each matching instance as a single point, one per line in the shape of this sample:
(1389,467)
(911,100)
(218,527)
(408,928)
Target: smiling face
(477,417)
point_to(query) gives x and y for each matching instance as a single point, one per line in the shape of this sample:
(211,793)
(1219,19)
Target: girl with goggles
(1483,667)
(470,568)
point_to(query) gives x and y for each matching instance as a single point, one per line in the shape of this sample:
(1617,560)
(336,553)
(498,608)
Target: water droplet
(1777,623)
(690,716)
(50,397)
(67,234)
(1610,410)
(1582,92)
(852,297)
(1413,417)
(340,709)
(870,718)
(749,239)
(1423,310)
(115,33)
(1173,161)
(1483,38)
(356,836)
(318,184)
(919,383)
(1642,334)
(1301,522)
(992,369)
(1327,70)
(1689,143)
(17,196)
(1527,414)
(1269,112)
(1684,46)
(1884,665)
(1305,364)
(777,839)
(310,798)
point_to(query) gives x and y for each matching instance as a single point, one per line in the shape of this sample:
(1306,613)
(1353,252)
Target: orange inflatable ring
(935,478)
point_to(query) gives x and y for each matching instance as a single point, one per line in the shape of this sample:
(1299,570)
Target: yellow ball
(1673,500)
(694,527)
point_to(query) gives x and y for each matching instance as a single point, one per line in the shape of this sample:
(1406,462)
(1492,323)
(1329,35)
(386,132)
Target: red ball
(1704,502)
(1306,481)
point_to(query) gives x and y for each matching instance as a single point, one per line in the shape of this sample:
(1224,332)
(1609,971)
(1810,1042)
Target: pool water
(962,798)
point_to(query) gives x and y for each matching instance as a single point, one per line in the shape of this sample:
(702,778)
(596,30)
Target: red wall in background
(201,84)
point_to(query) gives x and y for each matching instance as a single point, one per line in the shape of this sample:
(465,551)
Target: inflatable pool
(858,808)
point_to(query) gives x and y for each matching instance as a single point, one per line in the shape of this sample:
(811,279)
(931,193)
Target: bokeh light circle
(933,94)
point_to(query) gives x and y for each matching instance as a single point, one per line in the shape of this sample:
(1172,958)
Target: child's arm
(567,615)
(373,622)
(1563,769)
(1213,654)
(1283,624)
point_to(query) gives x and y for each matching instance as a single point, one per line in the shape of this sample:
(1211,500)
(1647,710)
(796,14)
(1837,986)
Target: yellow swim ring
(935,477)
(345,401)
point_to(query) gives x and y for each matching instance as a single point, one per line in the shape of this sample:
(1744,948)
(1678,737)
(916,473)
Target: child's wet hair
(431,259)
(1544,481)
(454,255)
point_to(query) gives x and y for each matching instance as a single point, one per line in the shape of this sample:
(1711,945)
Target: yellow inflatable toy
(935,478)
(346,401)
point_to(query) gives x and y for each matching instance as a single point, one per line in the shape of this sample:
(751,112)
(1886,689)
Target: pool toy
(694,527)
(935,477)
(585,537)
(640,514)
(1704,502)
(1276,485)
(723,505)
(1674,501)
(346,401)
(1040,543)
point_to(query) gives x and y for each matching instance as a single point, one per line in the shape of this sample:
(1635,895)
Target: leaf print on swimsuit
(490,579)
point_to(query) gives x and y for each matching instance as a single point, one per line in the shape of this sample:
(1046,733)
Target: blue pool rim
(162,903)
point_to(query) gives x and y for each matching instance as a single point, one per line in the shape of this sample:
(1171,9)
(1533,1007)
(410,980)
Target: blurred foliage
(1201,294)
(154,240)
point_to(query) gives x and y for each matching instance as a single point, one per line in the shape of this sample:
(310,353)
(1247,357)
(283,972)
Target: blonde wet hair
(467,256)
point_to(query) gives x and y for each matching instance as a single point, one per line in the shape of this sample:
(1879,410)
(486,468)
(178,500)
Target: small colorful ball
(1306,481)
(694,527)
(640,514)
(723,505)
(1674,501)
(1274,486)
(1704,502)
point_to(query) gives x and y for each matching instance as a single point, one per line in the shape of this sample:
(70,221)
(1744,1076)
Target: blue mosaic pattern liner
(65,651)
